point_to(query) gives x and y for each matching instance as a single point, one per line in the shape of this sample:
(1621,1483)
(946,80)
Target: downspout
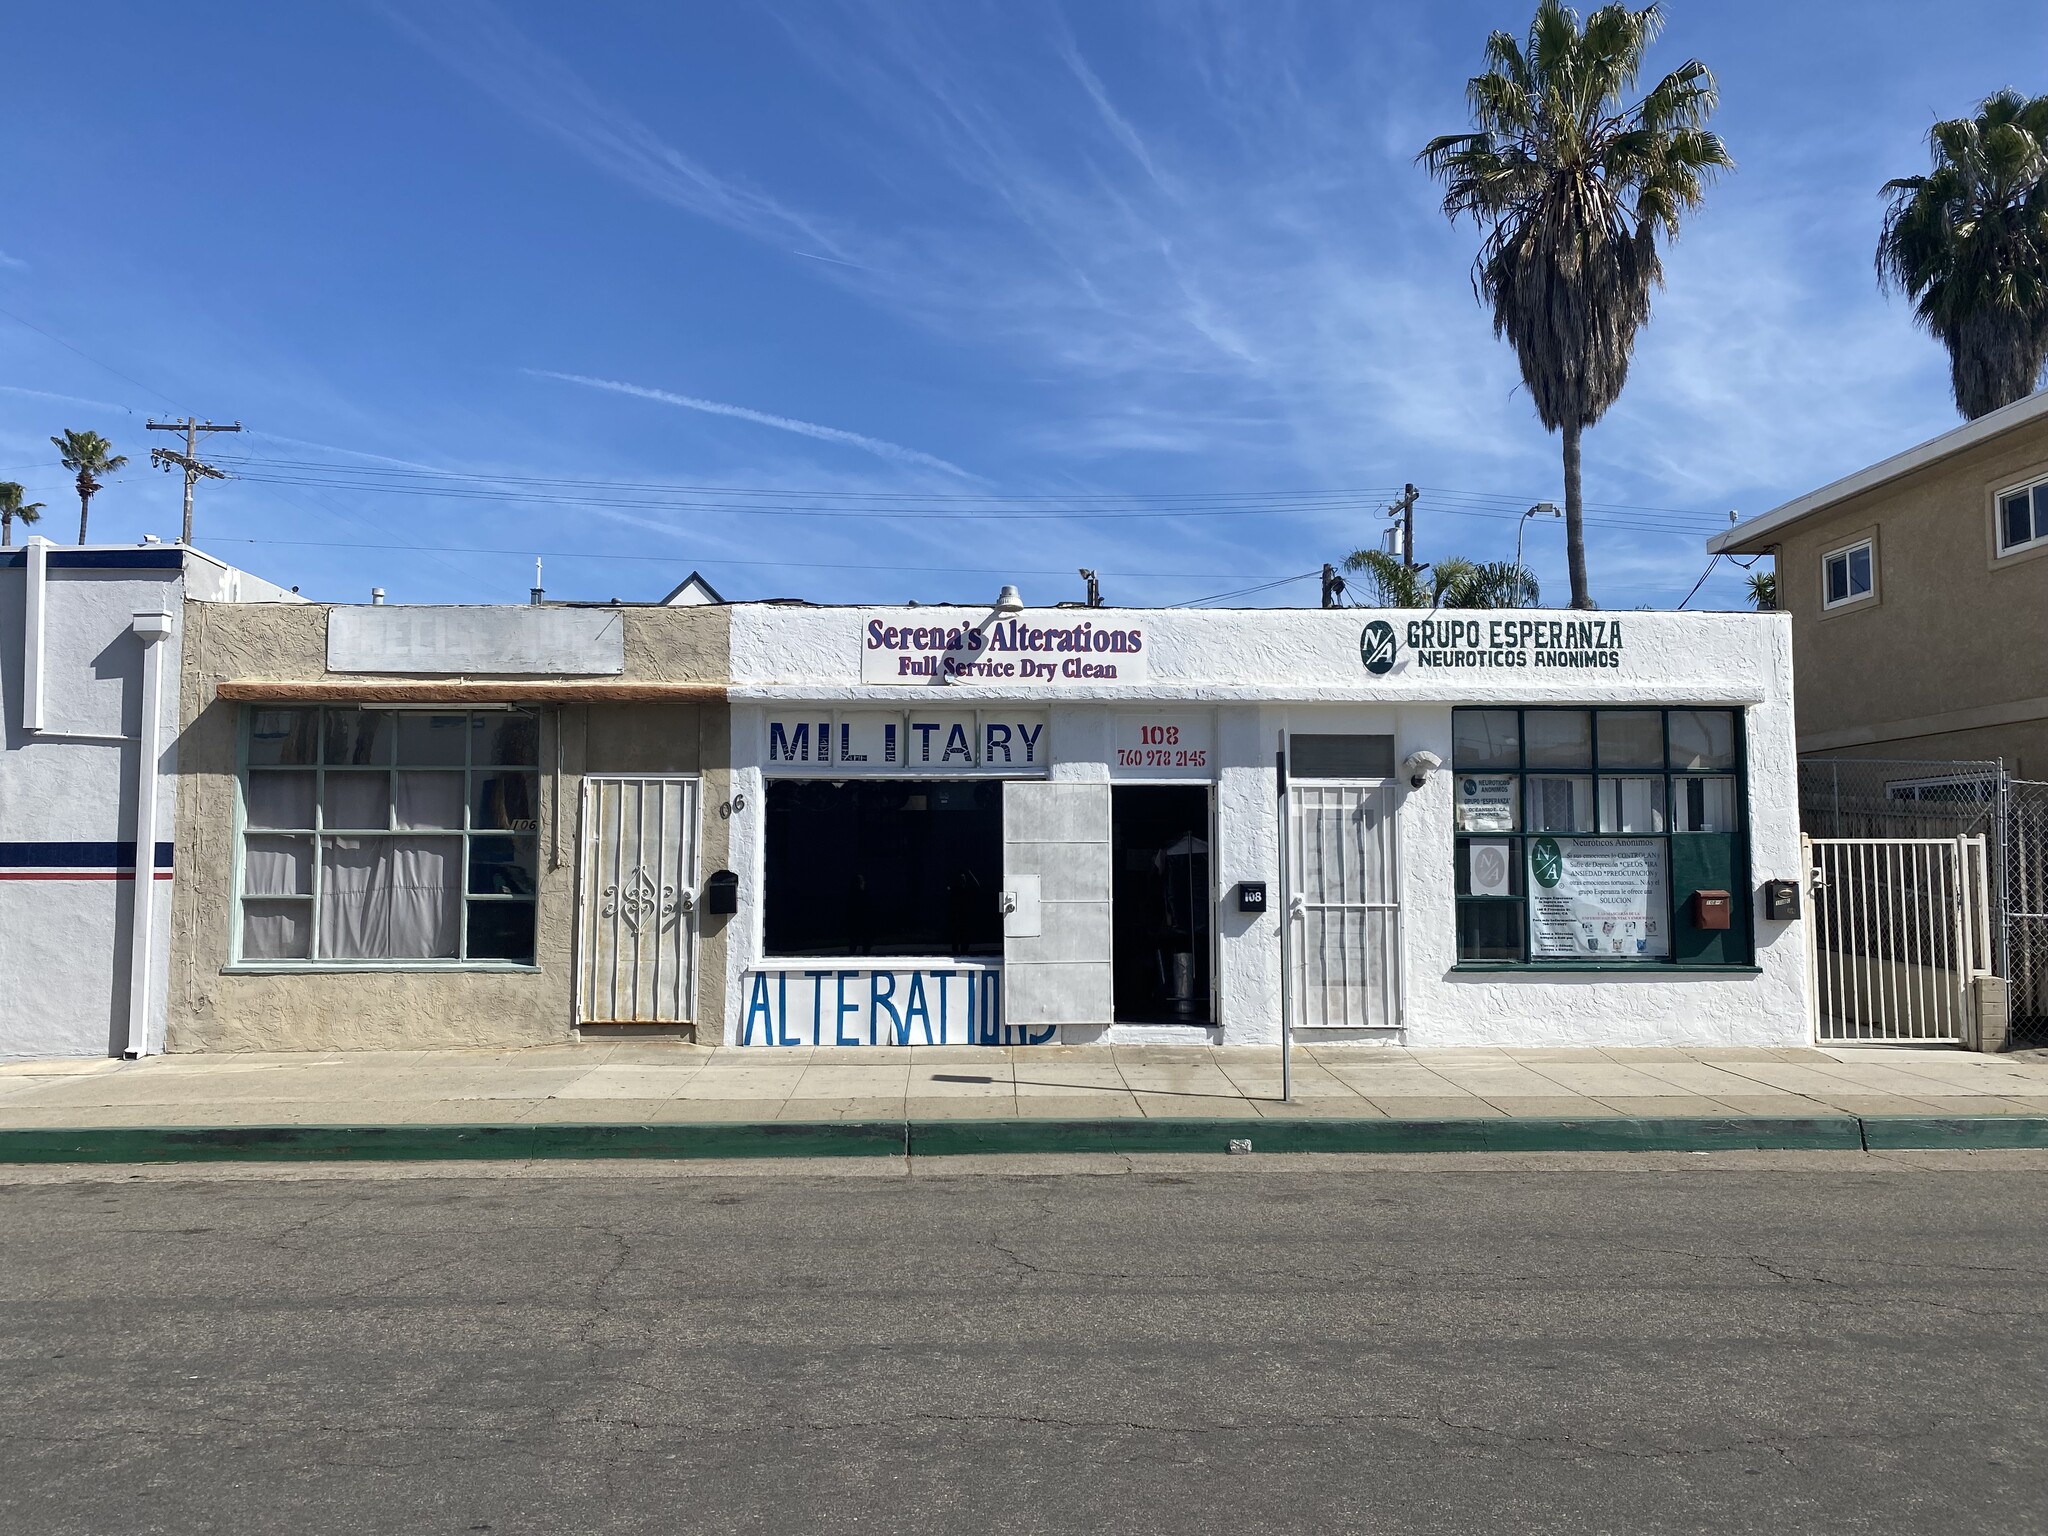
(151,629)
(36,569)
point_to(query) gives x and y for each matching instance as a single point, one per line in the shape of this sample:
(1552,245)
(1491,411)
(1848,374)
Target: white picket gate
(1901,926)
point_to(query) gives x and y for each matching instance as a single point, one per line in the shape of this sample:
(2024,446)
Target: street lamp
(1541,509)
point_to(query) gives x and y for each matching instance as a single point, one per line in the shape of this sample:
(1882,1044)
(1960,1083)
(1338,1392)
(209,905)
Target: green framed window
(377,837)
(1582,835)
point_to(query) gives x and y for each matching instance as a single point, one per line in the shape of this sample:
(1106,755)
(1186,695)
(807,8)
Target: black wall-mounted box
(1251,895)
(1781,901)
(722,893)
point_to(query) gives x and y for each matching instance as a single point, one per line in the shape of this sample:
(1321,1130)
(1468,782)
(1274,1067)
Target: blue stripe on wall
(155,559)
(77,855)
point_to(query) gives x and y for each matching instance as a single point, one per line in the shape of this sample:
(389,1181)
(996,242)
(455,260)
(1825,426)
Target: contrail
(875,445)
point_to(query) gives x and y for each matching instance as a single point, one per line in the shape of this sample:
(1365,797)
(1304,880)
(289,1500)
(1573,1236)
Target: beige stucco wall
(1950,659)
(211,1008)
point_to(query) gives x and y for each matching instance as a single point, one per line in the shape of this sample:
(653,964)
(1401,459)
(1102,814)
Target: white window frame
(2000,549)
(1869,545)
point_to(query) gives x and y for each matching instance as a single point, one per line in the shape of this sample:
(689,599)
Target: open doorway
(1159,840)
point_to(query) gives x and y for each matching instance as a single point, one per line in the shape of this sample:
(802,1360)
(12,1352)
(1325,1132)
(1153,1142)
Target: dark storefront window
(1582,835)
(883,867)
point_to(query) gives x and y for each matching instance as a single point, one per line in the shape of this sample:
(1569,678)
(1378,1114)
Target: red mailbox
(1712,909)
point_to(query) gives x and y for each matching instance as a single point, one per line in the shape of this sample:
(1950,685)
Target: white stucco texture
(1265,673)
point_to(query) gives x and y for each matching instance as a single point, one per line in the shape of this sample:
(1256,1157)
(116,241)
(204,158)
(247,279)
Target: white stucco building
(90,641)
(1064,825)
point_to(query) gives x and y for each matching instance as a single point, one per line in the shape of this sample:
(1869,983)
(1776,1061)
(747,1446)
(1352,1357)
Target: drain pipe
(151,629)
(1286,922)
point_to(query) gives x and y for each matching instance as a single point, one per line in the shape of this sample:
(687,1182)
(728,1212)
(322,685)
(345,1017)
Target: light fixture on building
(1419,766)
(1009,600)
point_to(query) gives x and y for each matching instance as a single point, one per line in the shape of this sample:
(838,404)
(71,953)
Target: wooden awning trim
(457,691)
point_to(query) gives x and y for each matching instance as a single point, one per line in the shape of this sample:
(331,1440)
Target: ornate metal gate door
(636,921)
(1347,958)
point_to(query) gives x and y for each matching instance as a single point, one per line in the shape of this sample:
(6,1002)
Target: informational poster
(1489,867)
(1486,803)
(1164,747)
(1598,898)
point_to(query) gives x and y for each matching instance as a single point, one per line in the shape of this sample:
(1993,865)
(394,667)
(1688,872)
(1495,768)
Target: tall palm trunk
(1575,518)
(85,490)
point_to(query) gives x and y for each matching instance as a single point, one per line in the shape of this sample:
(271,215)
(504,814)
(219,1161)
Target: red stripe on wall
(108,874)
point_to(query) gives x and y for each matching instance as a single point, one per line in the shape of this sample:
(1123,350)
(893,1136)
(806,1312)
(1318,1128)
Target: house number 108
(1159,735)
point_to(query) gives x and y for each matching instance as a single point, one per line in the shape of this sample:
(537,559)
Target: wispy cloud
(51,394)
(476,40)
(12,263)
(879,447)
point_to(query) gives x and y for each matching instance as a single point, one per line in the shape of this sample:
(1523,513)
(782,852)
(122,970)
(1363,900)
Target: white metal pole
(151,629)
(1286,910)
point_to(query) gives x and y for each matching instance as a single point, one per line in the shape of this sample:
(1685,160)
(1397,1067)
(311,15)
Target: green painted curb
(949,1138)
(1890,1133)
(953,1138)
(418,1143)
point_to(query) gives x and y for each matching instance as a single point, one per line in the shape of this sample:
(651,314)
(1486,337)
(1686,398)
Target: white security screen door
(636,921)
(1347,949)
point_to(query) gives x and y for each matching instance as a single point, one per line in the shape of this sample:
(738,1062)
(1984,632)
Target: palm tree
(1763,590)
(1572,186)
(12,507)
(1453,583)
(1969,244)
(91,456)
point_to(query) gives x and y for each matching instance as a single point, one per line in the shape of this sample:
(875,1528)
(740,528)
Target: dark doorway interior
(1159,841)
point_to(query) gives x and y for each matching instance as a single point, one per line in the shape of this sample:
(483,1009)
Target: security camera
(1419,766)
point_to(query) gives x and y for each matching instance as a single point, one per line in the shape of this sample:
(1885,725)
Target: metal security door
(1900,926)
(636,926)
(1347,954)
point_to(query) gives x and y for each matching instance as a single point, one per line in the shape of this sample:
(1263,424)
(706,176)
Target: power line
(713,560)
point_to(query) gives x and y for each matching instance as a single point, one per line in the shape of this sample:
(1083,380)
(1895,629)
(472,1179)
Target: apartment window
(1582,833)
(374,837)
(1847,574)
(2023,517)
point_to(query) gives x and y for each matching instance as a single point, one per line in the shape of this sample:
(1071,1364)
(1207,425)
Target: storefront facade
(1033,827)
(425,827)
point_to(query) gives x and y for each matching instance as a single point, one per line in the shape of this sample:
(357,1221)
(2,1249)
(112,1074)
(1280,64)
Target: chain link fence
(1905,798)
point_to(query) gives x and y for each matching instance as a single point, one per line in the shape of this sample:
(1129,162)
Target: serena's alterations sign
(1457,643)
(1005,651)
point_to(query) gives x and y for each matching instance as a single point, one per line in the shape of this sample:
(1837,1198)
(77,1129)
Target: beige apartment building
(1918,590)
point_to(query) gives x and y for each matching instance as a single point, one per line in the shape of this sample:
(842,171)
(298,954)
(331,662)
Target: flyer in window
(1598,898)
(1488,867)
(1486,804)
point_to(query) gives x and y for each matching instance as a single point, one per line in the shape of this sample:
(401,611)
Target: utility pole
(188,461)
(1405,510)
(1333,586)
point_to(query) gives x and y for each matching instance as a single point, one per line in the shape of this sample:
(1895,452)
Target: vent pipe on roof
(376,597)
(538,591)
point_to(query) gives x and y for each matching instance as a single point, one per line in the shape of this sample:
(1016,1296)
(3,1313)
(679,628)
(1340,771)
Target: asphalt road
(1391,1346)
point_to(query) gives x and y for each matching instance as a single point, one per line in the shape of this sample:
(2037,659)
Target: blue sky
(870,301)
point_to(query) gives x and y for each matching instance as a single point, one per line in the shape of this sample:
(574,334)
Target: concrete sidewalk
(659,1083)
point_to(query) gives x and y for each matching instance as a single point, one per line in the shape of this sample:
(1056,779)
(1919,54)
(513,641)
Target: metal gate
(636,923)
(2026,909)
(1347,965)
(1900,927)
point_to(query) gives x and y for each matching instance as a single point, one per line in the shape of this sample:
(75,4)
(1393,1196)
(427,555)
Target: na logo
(1376,647)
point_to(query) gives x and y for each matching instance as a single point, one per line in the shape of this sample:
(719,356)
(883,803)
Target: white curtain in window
(390,898)
(281,799)
(429,800)
(1632,805)
(276,930)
